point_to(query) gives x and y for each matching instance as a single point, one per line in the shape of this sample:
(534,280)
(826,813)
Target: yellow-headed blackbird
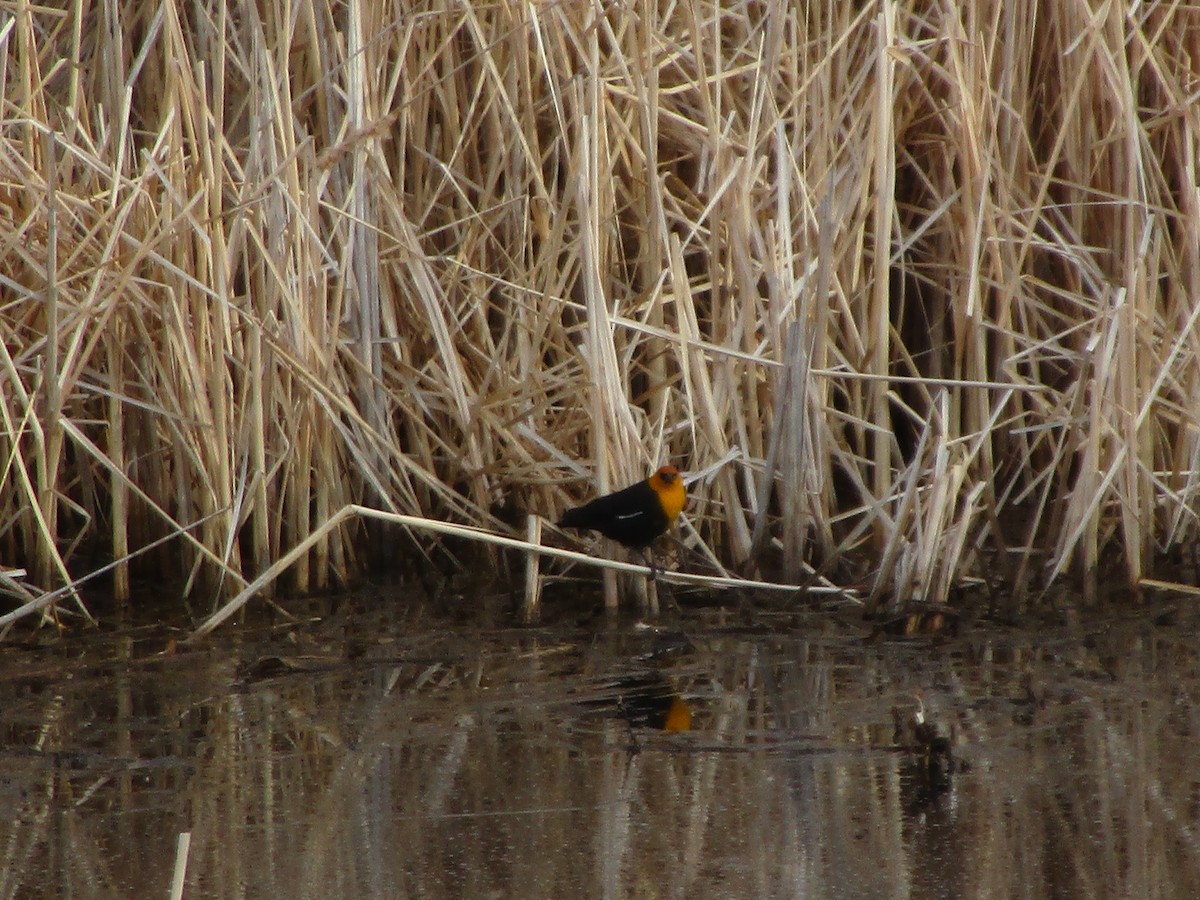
(645,700)
(636,515)
(678,717)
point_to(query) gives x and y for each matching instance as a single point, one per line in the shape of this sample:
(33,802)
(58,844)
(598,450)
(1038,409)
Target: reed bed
(911,285)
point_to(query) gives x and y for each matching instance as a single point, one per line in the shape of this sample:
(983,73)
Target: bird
(658,708)
(643,700)
(636,515)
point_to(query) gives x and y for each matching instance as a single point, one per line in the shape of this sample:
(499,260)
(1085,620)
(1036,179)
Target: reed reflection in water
(475,763)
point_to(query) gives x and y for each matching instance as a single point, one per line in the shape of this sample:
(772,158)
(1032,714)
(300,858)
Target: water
(384,751)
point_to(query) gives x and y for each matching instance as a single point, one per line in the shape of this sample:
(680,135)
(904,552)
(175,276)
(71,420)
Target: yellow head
(679,716)
(668,484)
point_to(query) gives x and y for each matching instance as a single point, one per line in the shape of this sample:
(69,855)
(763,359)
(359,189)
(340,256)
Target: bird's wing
(636,514)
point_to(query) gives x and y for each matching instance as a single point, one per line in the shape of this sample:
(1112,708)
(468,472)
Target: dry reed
(920,277)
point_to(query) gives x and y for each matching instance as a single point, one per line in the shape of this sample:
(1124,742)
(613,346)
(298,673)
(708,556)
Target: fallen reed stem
(487,537)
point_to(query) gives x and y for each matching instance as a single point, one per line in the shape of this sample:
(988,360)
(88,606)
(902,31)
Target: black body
(633,516)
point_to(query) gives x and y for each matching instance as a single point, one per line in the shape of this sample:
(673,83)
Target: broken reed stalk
(446,259)
(477,534)
(183,846)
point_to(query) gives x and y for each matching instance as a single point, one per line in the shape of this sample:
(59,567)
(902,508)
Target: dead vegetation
(913,286)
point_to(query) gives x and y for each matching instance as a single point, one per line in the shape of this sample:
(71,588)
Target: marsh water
(381,747)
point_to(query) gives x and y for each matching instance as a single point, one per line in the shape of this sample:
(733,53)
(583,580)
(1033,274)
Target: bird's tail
(575,518)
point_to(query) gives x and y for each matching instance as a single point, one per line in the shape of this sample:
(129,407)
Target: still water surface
(382,751)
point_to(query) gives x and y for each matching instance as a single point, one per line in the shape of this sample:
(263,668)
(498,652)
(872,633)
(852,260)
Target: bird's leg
(648,559)
(652,585)
(648,555)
